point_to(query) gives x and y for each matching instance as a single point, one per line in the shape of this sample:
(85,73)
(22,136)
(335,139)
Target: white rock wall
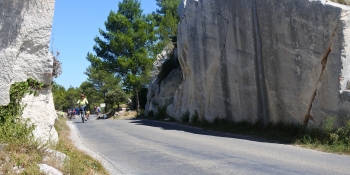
(268,60)
(162,94)
(25,30)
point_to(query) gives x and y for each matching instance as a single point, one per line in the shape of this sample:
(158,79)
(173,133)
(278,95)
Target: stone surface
(49,169)
(273,61)
(56,156)
(25,30)
(162,95)
(40,110)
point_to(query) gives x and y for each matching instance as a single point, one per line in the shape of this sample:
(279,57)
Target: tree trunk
(105,99)
(137,103)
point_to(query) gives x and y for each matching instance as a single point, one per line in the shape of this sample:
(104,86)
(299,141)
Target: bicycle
(71,115)
(82,113)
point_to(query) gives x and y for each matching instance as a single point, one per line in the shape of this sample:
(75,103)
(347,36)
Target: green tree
(59,96)
(94,97)
(102,81)
(167,5)
(72,96)
(116,96)
(125,45)
(167,21)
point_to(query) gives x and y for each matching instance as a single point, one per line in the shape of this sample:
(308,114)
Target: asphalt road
(151,147)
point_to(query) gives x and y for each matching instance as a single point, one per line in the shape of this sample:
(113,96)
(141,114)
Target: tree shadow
(197,130)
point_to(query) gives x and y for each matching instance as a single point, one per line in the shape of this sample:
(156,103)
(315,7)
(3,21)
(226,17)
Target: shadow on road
(196,130)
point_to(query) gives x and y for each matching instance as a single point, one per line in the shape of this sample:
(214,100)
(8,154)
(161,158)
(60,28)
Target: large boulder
(25,30)
(270,61)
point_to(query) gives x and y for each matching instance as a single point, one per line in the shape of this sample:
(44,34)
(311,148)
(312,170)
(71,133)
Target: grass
(346,2)
(23,156)
(334,140)
(20,152)
(80,162)
(27,154)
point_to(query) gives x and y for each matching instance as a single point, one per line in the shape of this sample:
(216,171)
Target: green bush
(185,117)
(12,127)
(195,117)
(172,119)
(150,113)
(161,114)
(337,136)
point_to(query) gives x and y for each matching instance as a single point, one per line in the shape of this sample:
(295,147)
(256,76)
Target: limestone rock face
(40,109)
(25,30)
(162,94)
(272,60)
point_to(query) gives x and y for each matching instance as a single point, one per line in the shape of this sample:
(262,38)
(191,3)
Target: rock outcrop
(25,30)
(273,61)
(161,92)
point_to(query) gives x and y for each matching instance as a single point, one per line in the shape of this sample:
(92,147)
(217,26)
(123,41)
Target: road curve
(151,147)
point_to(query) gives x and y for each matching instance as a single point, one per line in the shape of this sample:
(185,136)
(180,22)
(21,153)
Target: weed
(12,127)
(161,114)
(329,138)
(346,2)
(79,162)
(150,113)
(195,117)
(172,119)
(185,117)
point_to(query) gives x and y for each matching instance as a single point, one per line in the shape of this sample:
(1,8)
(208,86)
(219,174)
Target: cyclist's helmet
(82,95)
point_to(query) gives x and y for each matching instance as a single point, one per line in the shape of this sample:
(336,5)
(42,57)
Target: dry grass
(80,162)
(126,114)
(23,157)
(346,2)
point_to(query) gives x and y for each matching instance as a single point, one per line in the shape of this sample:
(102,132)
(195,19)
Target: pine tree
(167,21)
(125,45)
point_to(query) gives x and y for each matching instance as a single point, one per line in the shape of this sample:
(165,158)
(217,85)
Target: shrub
(150,113)
(195,117)
(346,2)
(21,148)
(172,119)
(185,117)
(161,114)
(12,127)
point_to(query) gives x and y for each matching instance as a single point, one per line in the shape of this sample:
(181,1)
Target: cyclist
(82,102)
(97,111)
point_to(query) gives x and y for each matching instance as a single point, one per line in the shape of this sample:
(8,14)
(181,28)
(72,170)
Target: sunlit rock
(269,61)
(25,30)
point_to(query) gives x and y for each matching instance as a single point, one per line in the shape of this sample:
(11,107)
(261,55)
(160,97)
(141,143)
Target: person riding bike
(82,102)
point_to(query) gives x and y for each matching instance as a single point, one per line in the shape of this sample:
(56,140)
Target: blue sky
(75,25)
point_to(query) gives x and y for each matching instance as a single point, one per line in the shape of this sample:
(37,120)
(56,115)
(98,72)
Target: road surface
(152,147)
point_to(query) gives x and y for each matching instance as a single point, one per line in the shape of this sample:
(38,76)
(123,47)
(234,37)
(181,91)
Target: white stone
(40,110)
(49,169)
(57,156)
(25,30)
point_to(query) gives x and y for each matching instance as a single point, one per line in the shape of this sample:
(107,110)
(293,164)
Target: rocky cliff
(25,30)
(267,60)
